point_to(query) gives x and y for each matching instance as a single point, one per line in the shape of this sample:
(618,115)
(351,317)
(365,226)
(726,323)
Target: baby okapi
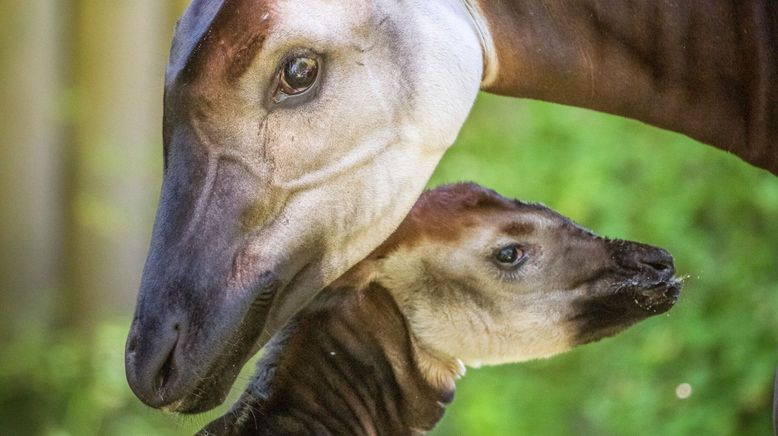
(469,278)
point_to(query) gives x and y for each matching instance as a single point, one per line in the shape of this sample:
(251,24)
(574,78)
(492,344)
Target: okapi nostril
(659,266)
(660,261)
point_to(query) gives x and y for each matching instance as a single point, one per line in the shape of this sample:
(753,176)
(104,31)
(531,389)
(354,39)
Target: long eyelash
(507,275)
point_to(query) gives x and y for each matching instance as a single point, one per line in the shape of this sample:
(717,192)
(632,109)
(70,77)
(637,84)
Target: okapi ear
(190,29)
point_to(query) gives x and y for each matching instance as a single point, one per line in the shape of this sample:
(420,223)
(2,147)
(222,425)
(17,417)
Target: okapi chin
(469,278)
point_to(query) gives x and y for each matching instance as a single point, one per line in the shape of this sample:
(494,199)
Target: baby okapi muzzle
(469,278)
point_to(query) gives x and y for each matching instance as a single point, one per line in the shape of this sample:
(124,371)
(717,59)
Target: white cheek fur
(506,323)
(373,151)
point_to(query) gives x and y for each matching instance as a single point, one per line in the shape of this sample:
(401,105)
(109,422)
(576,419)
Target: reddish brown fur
(705,68)
(440,216)
(518,229)
(231,43)
(437,216)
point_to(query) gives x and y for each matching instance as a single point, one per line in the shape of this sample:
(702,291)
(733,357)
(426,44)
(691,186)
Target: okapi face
(294,144)
(489,280)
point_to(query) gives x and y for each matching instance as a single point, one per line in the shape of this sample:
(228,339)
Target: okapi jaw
(267,198)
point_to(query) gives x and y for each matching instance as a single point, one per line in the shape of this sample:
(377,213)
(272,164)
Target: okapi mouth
(628,302)
(196,369)
(215,383)
(658,297)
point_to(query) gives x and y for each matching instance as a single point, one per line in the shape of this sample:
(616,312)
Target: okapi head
(470,278)
(490,280)
(296,139)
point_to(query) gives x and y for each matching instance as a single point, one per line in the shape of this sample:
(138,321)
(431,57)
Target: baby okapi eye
(298,75)
(509,255)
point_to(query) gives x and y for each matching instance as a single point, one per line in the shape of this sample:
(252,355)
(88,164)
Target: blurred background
(80,168)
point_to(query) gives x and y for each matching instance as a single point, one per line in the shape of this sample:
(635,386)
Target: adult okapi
(298,135)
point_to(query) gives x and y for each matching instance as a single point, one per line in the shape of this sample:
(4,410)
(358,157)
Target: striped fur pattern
(345,366)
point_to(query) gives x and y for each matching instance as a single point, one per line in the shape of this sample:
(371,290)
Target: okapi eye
(297,76)
(509,255)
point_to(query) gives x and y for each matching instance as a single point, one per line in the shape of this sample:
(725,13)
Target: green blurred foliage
(65,383)
(718,216)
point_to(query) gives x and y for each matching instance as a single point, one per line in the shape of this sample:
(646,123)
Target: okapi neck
(347,363)
(675,65)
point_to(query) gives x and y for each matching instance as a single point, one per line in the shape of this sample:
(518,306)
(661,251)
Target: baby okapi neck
(347,364)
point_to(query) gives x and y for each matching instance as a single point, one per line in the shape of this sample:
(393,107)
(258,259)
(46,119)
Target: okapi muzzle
(203,297)
(643,284)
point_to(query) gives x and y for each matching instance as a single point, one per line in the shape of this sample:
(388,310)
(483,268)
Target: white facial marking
(458,305)
(396,86)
